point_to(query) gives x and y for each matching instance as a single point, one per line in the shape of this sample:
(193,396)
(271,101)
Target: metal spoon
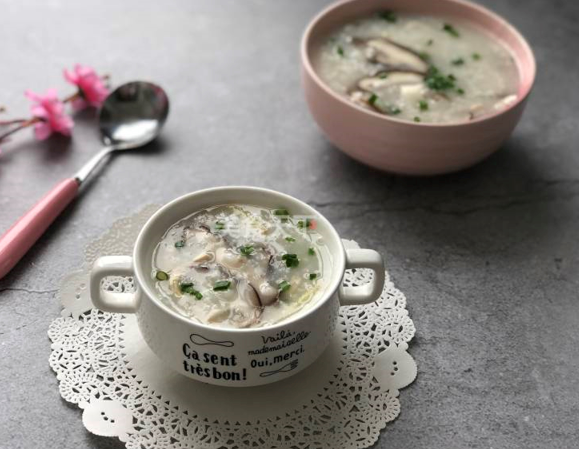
(131,117)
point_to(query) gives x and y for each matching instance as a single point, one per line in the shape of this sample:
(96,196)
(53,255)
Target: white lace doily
(343,400)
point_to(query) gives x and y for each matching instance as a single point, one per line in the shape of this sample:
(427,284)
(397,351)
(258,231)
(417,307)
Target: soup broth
(240,266)
(418,68)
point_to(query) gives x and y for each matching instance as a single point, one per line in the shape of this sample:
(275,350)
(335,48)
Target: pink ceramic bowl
(405,147)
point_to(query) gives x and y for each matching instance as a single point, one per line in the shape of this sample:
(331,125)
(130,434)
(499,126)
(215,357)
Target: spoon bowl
(133,115)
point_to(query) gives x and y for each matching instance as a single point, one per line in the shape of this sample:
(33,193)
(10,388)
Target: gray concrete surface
(488,258)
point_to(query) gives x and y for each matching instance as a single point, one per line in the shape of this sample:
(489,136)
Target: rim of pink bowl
(526,88)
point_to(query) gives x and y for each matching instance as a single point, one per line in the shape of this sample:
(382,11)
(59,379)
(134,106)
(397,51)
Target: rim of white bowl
(337,272)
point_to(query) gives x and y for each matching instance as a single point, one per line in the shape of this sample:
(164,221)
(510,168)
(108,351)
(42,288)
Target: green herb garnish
(219,225)
(284,286)
(389,16)
(476,56)
(246,250)
(457,61)
(393,110)
(372,99)
(425,56)
(187,287)
(180,244)
(437,81)
(291,260)
(290,239)
(430,42)
(460,91)
(281,212)
(313,276)
(340,50)
(450,30)
(221,286)
(305,224)
(383,75)
(311,251)
(423,105)
(417,119)
(161,276)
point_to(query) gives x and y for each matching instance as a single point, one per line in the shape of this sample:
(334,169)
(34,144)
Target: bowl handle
(367,293)
(112,301)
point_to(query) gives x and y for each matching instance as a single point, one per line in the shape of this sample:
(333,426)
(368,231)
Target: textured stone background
(488,257)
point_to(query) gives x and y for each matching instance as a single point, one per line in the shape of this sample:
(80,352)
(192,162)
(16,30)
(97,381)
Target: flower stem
(12,122)
(72,97)
(23,125)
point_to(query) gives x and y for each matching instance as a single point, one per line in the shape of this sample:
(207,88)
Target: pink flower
(91,87)
(50,110)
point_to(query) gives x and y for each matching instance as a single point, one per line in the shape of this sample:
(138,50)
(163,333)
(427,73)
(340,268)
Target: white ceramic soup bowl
(224,356)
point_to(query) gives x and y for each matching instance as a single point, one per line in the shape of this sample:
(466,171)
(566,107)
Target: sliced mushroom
(175,281)
(475,110)
(393,55)
(248,293)
(361,99)
(218,316)
(379,82)
(204,257)
(242,321)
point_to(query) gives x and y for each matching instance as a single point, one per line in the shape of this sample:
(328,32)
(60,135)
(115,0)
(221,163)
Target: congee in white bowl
(237,286)
(419,68)
(240,266)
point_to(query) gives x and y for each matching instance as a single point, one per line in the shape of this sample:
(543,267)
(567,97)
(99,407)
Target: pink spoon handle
(26,231)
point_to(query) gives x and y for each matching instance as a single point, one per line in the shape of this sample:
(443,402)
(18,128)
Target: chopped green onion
(417,119)
(383,75)
(180,244)
(290,239)
(457,61)
(476,56)
(425,56)
(423,105)
(282,212)
(430,42)
(284,286)
(219,225)
(246,250)
(313,276)
(372,99)
(221,286)
(187,287)
(393,110)
(305,224)
(437,81)
(291,260)
(340,50)
(460,91)
(388,16)
(450,30)
(161,276)
(311,251)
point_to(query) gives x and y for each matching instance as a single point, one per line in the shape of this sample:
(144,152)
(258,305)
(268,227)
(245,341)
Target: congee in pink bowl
(414,86)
